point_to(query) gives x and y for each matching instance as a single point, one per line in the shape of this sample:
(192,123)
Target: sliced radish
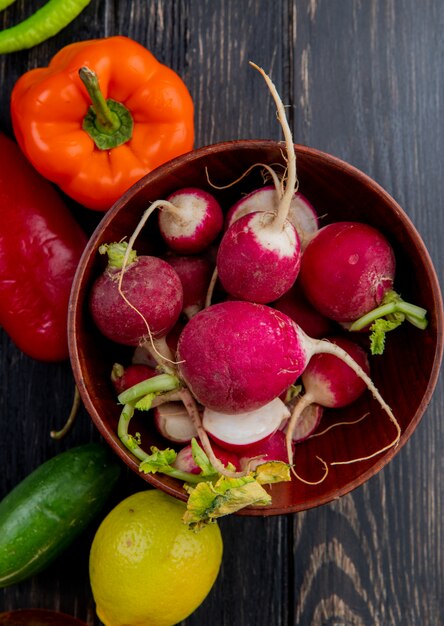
(173,422)
(236,432)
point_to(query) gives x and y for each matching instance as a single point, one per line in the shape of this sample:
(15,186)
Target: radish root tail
(322,346)
(292,181)
(315,482)
(210,290)
(275,178)
(162,359)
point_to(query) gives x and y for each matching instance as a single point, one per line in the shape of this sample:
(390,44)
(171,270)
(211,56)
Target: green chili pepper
(44,23)
(5,3)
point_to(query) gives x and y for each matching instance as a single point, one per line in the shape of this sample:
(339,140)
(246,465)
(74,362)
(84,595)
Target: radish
(347,273)
(173,422)
(306,424)
(301,213)
(195,275)
(237,356)
(190,220)
(329,382)
(260,253)
(294,304)
(125,377)
(239,432)
(137,302)
(273,449)
(185,461)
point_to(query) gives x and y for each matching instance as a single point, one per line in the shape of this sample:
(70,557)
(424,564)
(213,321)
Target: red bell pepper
(40,247)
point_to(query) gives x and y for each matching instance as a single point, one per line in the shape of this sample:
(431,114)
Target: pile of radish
(218,371)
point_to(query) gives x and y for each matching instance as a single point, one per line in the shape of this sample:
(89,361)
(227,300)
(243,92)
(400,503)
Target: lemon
(147,568)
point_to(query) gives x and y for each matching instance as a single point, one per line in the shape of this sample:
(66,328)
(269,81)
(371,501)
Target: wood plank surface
(363,80)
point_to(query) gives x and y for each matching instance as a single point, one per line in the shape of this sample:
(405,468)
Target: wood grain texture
(364,81)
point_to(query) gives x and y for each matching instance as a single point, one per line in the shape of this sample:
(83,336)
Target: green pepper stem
(106,121)
(156,384)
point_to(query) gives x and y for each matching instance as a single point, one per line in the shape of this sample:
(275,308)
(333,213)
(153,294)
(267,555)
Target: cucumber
(44,513)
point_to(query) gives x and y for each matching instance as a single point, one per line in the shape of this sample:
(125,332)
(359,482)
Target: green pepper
(44,23)
(5,3)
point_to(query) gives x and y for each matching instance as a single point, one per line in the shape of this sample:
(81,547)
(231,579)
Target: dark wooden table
(364,81)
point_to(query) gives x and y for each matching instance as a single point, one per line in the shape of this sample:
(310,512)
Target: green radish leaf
(209,501)
(272,472)
(201,459)
(378,330)
(145,403)
(158,461)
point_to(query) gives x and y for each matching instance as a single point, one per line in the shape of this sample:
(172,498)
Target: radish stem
(128,440)
(156,384)
(193,412)
(292,182)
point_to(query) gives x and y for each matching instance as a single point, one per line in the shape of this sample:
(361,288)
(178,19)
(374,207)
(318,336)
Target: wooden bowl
(405,375)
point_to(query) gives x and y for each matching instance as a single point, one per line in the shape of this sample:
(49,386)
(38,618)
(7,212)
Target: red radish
(190,220)
(148,303)
(185,461)
(195,275)
(329,382)
(137,300)
(273,449)
(125,377)
(294,304)
(173,422)
(241,431)
(346,270)
(237,356)
(306,424)
(347,273)
(301,213)
(258,260)
(259,255)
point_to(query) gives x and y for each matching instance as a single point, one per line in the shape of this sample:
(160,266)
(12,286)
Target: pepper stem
(107,122)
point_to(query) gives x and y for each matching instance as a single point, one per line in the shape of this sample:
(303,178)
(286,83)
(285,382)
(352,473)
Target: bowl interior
(405,375)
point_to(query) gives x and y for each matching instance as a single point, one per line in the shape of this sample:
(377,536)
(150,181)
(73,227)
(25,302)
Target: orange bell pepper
(103,114)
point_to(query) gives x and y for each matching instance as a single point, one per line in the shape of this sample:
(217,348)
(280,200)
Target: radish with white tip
(173,422)
(306,424)
(301,213)
(236,356)
(190,220)
(260,253)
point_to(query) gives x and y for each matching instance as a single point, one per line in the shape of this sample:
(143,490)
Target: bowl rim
(214,149)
